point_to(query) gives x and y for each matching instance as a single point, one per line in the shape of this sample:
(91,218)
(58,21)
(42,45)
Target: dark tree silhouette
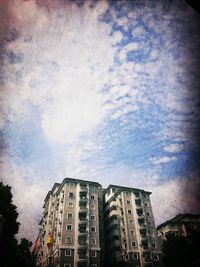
(11,253)
(23,253)
(8,242)
(182,251)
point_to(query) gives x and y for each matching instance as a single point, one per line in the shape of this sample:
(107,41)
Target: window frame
(95,254)
(68,242)
(93,216)
(69,250)
(71,194)
(136,254)
(132,232)
(94,227)
(95,241)
(69,213)
(70,206)
(134,243)
(67,227)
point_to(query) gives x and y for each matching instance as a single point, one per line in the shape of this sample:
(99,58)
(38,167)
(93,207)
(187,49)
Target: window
(93,253)
(69,215)
(83,186)
(108,193)
(93,217)
(71,194)
(155,257)
(153,245)
(148,214)
(132,232)
(93,229)
(130,221)
(133,244)
(135,256)
(70,205)
(137,194)
(114,190)
(93,241)
(128,202)
(69,227)
(129,211)
(68,252)
(92,197)
(67,265)
(146,204)
(68,239)
(152,234)
(127,257)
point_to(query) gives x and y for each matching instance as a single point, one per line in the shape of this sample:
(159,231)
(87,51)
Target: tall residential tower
(71,225)
(80,219)
(130,233)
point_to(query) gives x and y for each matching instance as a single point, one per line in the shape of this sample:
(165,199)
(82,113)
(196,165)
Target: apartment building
(80,219)
(181,225)
(71,225)
(130,233)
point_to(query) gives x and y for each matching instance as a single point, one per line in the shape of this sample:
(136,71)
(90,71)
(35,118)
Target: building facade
(130,233)
(71,225)
(80,219)
(181,225)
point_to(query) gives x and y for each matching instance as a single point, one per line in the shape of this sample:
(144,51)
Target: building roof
(180,218)
(67,179)
(124,188)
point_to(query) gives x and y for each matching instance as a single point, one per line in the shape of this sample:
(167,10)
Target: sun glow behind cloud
(99,91)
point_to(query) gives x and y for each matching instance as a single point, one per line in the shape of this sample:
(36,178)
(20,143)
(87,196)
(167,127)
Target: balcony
(82,254)
(83,206)
(115,243)
(83,216)
(82,241)
(82,228)
(83,189)
(83,199)
(114,233)
(144,237)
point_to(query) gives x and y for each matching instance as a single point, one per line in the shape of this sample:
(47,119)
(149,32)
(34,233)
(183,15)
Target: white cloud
(168,200)
(117,37)
(65,71)
(138,31)
(162,160)
(173,148)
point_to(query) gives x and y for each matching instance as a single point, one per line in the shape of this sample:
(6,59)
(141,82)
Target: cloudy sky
(106,91)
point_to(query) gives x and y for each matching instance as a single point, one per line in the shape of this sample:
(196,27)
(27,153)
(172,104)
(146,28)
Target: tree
(8,242)
(11,253)
(23,253)
(182,251)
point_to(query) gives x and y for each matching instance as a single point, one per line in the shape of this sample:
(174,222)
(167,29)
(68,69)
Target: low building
(181,225)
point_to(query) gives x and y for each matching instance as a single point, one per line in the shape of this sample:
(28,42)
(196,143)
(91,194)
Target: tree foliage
(11,253)
(182,251)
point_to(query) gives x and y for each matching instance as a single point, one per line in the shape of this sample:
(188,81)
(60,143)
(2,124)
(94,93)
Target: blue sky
(100,90)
